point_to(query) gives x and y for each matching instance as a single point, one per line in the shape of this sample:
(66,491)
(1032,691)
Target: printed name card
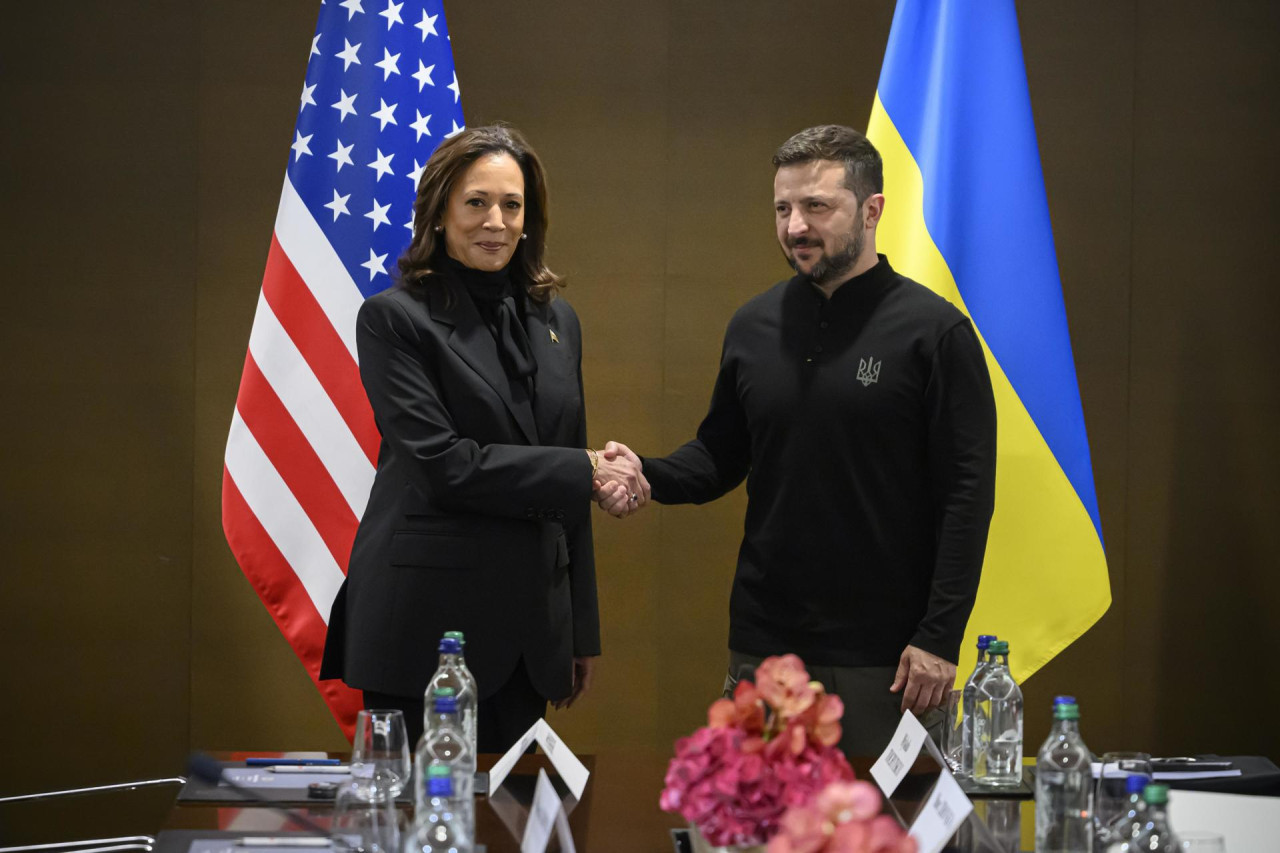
(498,772)
(900,754)
(941,815)
(571,770)
(546,813)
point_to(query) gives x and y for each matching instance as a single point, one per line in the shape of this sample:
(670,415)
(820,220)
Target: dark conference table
(618,813)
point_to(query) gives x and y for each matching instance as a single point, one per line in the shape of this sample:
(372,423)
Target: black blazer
(479,516)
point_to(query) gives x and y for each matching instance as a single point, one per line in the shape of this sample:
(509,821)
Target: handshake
(619,486)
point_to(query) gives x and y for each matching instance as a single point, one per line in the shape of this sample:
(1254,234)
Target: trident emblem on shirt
(868,371)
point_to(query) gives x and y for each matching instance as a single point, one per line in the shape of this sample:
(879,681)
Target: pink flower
(784,684)
(822,719)
(844,801)
(744,711)
(844,817)
(767,757)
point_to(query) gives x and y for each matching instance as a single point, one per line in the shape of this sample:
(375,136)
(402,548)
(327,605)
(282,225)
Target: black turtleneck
(501,307)
(865,426)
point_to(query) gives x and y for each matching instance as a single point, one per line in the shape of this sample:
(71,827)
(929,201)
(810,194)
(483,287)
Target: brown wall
(142,157)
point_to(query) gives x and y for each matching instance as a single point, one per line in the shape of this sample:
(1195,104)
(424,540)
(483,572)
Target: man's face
(819,222)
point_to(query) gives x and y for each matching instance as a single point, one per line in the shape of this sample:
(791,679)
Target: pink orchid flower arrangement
(843,818)
(767,762)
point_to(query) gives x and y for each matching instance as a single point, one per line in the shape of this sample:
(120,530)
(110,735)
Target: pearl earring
(439,228)
(524,236)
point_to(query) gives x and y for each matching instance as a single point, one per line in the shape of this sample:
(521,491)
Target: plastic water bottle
(967,700)
(453,673)
(1129,822)
(443,743)
(997,723)
(1155,836)
(1064,777)
(438,828)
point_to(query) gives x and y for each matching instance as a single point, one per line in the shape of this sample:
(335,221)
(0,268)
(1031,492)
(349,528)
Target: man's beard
(833,267)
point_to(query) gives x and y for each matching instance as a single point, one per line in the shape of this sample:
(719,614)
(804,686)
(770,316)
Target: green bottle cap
(455,635)
(1066,712)
(998,647)
(1155,795)
(442,691)
(437,771)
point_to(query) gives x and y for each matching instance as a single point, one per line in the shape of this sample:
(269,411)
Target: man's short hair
(863,168)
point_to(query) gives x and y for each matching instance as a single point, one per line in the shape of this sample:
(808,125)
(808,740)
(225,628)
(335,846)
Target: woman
(478,519)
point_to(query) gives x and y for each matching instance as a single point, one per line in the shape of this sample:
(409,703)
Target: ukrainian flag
(966,215)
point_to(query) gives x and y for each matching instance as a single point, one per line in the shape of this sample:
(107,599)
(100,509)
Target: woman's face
(485,214)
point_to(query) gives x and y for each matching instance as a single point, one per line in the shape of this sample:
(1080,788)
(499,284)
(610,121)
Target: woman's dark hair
(447,164)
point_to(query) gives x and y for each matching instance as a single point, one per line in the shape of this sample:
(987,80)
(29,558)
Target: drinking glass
(380,752)
(1199,841)
(1110,799)
(953,729)
(365,819)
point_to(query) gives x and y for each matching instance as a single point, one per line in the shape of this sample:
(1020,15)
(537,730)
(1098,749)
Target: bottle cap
(1135,783)
(450,645)
(998,647)
(1155,795)
(442,691)
(440,787)
(435,770)
(1065,700)
(984,640)
(1066,711)
(446,705)
(456,635)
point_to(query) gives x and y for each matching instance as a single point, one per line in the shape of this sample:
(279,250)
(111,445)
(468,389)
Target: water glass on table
(1199,841)
(365,819)
(1110,799)
(380,753)
(953,730)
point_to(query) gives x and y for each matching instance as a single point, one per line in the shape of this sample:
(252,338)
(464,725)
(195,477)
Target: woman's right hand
(620,487)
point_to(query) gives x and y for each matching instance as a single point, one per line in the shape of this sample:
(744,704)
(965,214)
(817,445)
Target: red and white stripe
(303,446)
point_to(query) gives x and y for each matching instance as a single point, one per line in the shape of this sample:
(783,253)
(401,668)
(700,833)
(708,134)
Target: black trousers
(871,712)
(502,717)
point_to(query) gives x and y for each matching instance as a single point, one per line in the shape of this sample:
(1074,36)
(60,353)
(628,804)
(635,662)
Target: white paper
(498,772)
(900,754)
(941,814)
(572,771)
(542,816)
(563,833)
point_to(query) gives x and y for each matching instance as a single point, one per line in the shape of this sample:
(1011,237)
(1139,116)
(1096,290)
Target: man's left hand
(927,679)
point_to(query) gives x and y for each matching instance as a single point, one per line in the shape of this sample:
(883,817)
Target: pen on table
(288,762)
(324,768)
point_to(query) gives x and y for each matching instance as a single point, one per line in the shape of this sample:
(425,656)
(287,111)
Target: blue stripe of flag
(405,64)
(954,85)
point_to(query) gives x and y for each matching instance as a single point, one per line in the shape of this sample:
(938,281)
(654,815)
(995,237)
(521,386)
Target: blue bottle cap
(1135,784)
(1065,700)
(450,646)
(984,640)
(440,787)
(446,705)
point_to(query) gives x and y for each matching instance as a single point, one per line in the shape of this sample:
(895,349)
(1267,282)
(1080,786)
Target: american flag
(380,93)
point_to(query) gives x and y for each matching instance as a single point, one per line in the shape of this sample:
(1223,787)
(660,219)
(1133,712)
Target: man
(857,404)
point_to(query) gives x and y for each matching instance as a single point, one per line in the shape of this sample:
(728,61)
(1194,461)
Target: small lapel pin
(554,339)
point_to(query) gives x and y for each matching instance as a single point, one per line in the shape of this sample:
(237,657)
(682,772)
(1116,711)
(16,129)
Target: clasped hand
(620,487)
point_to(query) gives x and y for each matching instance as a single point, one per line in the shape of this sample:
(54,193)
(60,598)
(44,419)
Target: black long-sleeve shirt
(866,428)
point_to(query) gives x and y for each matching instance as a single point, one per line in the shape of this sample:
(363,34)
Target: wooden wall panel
(141,171)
